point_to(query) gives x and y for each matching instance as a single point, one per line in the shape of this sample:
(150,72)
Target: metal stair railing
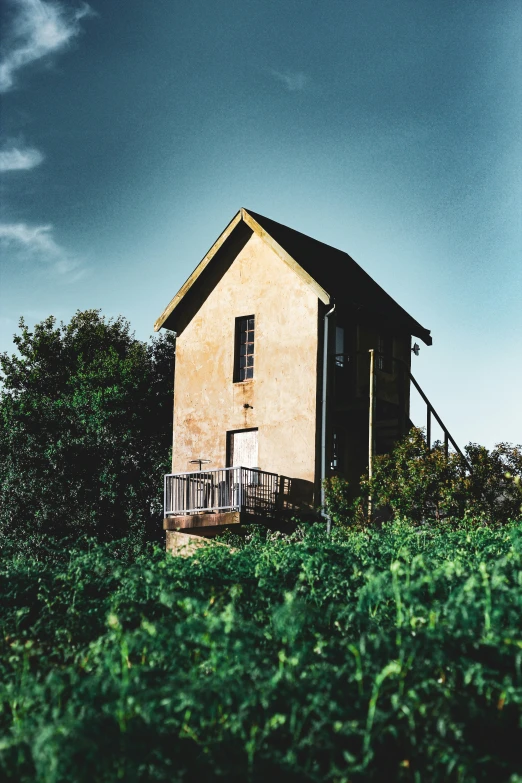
(430,410)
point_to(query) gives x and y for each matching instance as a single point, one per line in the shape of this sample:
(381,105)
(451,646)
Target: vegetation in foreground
(366,656)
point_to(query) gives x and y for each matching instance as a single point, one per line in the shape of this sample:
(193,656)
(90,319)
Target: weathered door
(243,449)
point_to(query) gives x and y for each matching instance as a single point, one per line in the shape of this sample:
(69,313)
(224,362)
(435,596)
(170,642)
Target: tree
(85,428)
(421,483)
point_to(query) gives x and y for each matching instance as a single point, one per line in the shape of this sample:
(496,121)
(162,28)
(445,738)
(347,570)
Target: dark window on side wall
(385,354)
(339,346)
(244,353)
(337,461)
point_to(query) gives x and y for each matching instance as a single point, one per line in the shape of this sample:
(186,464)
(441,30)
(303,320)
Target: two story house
(272,378)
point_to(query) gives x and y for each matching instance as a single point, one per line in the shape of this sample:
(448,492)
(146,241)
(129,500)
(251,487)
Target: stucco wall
(282,394)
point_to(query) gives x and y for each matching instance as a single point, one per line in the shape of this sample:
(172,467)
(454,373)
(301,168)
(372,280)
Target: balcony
(212,498)
(228,489)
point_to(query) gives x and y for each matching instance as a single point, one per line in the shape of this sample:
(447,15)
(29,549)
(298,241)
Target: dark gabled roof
(333,274)
(340,276)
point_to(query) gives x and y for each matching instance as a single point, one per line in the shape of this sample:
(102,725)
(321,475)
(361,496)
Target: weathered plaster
(281,397)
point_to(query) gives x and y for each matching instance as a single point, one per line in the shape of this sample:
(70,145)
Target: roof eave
(425,336)
(167,312)
(242,215)
(323,295)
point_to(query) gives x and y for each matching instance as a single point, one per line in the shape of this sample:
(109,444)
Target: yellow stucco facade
(282,396)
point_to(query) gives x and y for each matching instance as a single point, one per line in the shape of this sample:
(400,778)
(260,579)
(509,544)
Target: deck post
(371,427)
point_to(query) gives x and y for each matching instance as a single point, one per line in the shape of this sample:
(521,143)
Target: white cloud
(38,28)
(64,266)
(16,159)
(37,243)
(35,239)
(292,80)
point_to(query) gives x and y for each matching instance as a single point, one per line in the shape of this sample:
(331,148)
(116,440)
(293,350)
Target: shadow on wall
(295,494)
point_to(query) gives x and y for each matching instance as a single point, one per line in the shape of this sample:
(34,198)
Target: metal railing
(226,489)
(430,411)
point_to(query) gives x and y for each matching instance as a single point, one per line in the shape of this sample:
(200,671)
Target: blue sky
(132,133)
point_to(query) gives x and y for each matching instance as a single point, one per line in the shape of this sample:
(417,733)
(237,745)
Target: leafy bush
(85,429)
(364,656)
(342,509)
(421,483)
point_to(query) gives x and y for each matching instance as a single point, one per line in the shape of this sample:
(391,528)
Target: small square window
(244,351)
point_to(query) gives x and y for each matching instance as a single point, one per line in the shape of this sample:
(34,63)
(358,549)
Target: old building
(261,411)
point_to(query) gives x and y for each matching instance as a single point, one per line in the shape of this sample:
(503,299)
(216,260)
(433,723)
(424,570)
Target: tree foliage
(85,428)
(423,484)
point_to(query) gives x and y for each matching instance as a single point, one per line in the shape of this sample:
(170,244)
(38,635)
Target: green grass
(367,656)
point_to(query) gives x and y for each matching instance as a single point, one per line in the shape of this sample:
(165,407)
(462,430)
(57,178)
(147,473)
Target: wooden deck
(210,525)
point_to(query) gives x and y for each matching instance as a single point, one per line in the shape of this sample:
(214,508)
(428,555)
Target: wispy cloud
(16,159)
(37,244)
(38,28)
(35,239)
(292,80)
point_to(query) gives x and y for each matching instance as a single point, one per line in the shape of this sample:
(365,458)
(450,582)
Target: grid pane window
(244,358)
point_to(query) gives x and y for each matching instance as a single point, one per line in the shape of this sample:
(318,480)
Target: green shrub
(421,483)
(365,656)
(340,506)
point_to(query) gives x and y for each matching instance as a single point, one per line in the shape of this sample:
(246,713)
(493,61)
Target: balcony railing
(227,489)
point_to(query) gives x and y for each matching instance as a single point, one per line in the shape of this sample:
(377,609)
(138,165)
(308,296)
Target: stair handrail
(447,435)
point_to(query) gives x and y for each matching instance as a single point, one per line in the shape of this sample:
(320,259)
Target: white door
(243,449)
